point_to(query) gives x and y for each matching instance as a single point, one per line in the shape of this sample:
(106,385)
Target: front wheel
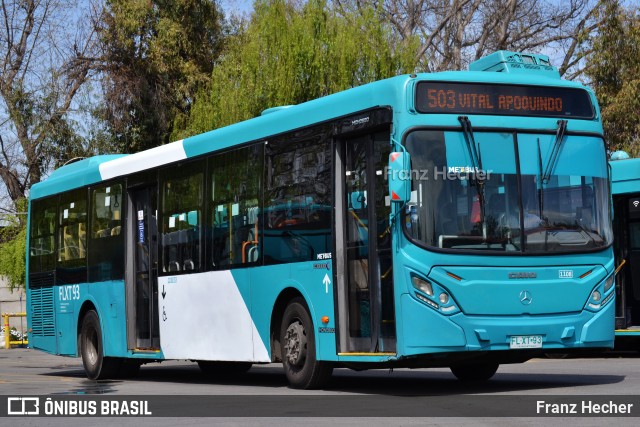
(96,365)
(298,346)
(475,371)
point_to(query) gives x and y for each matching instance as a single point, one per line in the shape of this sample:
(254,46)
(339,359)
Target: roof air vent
(504,61)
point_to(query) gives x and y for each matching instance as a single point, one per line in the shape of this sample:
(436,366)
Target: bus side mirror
(399,177)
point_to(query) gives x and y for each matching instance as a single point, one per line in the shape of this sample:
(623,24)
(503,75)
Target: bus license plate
(525,341)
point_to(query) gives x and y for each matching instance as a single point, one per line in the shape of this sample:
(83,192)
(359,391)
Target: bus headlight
(434,295)
(602,294)
(609,282)
(422,285)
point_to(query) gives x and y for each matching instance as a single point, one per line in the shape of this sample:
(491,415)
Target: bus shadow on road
(402,382)
(426,383)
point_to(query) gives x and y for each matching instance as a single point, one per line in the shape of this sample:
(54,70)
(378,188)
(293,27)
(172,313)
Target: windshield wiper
(474,150)
(540,185)
(553,158)
(545,176)
(476,164)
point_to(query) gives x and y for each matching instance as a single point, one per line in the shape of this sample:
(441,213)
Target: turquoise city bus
(625,189)
(429,220)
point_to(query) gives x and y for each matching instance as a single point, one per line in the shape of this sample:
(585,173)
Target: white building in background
(12,302)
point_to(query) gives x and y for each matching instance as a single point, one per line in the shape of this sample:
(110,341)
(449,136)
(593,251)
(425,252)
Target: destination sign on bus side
(500,99)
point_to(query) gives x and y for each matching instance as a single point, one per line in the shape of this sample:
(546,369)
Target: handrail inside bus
(249,242)
(358,220)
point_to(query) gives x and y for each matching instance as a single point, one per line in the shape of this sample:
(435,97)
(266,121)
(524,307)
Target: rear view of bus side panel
(41,275)
(61,289)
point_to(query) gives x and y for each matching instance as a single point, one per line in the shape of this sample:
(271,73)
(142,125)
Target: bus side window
(235,204)
(42,250)
(182,191)
(106,261)
(298,197)
(72,265)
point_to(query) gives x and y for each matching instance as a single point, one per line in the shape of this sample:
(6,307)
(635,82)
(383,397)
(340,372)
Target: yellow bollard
(7,330)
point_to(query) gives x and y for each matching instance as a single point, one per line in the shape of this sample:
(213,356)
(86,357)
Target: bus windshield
(508,191)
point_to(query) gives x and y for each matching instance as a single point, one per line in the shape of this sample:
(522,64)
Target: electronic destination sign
(502,99)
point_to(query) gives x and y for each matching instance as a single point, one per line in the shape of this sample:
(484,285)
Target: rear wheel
(475,371)
(298,348)
(96,365)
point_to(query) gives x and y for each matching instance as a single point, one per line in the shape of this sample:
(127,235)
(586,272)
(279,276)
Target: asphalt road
(263,390)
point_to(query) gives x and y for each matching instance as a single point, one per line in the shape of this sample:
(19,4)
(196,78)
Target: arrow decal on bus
(326,281)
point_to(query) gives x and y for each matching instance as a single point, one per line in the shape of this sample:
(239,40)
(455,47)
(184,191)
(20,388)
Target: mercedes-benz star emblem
(525,297)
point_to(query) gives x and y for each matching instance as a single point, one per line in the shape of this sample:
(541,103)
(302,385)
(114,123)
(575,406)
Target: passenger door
(363,243)
(142,269)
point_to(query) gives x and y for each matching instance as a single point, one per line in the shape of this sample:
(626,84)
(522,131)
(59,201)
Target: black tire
(298,346)
(223,369)
(96,365)
(475,371)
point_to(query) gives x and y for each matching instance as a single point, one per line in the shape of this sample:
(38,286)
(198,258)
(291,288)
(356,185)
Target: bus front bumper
(427,331)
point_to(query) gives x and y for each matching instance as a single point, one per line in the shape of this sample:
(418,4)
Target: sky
(242,6)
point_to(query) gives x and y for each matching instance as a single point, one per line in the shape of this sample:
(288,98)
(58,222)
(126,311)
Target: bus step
(146,350)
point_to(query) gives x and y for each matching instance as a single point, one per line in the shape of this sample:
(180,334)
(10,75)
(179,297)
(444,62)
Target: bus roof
(388,92)
(625,176)
(74,175)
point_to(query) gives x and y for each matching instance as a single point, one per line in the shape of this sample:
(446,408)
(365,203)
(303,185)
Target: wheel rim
(295,344)
(91,343)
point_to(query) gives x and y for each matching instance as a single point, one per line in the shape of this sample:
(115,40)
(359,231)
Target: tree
(156,54)
(290,53)
(614,73)
(454,33)
(44,63)
(13,242)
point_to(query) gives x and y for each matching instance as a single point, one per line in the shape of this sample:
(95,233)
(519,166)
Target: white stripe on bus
(143,160)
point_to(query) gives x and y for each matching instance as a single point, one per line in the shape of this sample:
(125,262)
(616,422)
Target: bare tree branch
(42,74)
(453,33)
